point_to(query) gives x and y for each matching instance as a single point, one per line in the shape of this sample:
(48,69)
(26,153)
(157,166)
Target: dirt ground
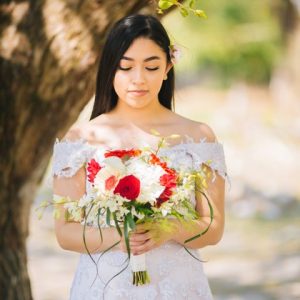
(258,257)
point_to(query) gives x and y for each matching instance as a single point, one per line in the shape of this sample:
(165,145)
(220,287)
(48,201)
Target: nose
(138,76)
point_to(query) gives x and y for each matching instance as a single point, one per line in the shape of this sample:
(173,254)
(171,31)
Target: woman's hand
(147,237)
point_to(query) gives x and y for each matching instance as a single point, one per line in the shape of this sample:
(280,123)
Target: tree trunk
(48,57)
(285,83)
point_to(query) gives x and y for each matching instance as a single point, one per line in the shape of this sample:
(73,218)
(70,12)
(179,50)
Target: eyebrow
(147,59)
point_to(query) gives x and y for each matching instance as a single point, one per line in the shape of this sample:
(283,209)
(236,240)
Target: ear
(169,67)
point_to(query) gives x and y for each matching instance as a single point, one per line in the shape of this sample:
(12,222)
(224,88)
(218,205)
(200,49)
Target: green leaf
(40,214)
(117,224)
(184,12)
(67,215)
(45,203)
(192,3)
(211,211)
(131,223)
(126,235)
(56,213)
(108,216)
(154,132)
(84,237)
(200,13)
(165,4)
(159,11)
(98,224)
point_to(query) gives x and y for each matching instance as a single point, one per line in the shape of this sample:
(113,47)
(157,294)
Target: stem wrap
(138,262)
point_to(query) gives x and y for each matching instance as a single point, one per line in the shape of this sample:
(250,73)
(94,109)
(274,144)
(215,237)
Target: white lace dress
(174,273)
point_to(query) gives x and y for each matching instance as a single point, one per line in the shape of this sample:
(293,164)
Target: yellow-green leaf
(174,136)
(200,13)
(184,12)
(56,213)
(40,215)
(154,132)
(165,4)
(192,3)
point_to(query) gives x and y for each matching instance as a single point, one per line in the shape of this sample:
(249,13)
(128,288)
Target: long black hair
(119,39)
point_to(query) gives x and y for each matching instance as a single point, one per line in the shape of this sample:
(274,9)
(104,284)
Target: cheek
(120,81)
(157,82)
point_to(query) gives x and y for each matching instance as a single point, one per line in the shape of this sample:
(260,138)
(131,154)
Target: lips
(138,92)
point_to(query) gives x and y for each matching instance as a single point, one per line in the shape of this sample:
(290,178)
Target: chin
(138,106)
(138,103)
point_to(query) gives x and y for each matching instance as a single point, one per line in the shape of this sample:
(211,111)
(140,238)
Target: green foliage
(240,40)
(183,9)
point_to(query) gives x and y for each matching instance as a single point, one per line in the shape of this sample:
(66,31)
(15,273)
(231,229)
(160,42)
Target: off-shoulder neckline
(188,141)
(185,146)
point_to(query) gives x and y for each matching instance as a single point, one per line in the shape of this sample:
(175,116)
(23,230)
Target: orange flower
(123,153)
(155,160)
(110,182)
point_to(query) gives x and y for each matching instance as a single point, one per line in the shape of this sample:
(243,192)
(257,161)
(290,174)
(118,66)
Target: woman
(135,87)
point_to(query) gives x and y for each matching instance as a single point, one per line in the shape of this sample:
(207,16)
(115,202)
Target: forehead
(142,48)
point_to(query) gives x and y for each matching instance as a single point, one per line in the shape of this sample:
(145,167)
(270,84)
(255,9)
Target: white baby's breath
(74,211)
(85,200)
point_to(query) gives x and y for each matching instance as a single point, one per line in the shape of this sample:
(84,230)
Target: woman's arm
(70,234)
(215,194)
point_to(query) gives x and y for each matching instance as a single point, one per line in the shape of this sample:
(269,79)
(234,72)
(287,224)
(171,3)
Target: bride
(134,94)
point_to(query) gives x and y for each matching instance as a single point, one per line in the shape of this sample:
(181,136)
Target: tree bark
(285,83)
(48,57)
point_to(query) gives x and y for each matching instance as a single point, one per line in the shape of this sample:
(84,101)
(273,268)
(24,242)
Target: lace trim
(195,154)
(69,156)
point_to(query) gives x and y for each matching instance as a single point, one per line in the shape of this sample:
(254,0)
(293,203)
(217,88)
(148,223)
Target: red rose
(122,153)
(128,187)
(93,168)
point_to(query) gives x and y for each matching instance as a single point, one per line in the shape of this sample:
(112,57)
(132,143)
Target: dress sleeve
(211,154)
(69,157)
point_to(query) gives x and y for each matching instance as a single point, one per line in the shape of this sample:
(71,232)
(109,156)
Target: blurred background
(240,73)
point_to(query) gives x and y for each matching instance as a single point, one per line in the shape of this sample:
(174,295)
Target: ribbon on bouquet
(138,267)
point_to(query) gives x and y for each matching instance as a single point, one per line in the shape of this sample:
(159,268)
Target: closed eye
(124,69)
(152,69)
(149,69)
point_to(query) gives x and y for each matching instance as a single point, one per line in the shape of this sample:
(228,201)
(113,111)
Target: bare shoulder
(198,130)
(203,130)
(89,130)
(77,132)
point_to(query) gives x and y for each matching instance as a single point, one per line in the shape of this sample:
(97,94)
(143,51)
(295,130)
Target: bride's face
(140,74)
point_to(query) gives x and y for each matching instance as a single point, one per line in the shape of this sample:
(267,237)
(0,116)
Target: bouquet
(133,186)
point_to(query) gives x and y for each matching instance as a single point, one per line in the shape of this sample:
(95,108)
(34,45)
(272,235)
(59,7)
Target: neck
(152,113)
